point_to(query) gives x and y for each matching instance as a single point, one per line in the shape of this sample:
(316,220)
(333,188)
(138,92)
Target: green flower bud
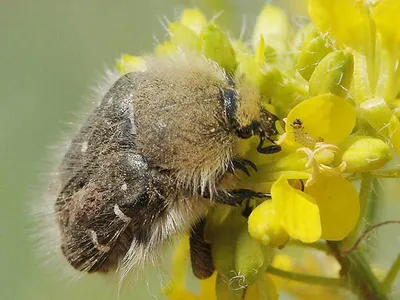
(266,77)
(193,19)
(216,46)
(314,48)
(364,153)
(223,237)
(378,114)
(128,63)
(251,259)
(333,74)
(183,37)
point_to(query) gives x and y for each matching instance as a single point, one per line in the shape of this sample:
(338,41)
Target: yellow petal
(207,288)
(265,225)
(338,204)
(178,270)
(326,117)
(299,213)
(384,14)
(347,22)
(182,295)
(193,19)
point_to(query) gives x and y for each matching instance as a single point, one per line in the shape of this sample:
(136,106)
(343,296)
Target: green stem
(370,216)
(372,209)
(357,271)
(366,181)
(394,173)
(320,245)
(391,275)
(304,278)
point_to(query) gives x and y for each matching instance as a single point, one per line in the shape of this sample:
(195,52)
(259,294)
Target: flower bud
(377,113)
(333,74)
(266,77)
(265,226)
(251,258)
(223,237)
(193,19)
(183,37)
(364,153)
(315,47)
(128,63)
(215,45)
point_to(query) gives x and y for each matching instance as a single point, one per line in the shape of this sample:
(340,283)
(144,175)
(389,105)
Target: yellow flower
(265,225)
(329,206)
(336,85)
(367,30)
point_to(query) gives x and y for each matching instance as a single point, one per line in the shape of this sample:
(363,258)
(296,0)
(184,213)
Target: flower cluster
(335,82)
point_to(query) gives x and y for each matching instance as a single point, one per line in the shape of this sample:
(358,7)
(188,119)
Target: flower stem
(393,173)
(391,275)
(366,182)
(357,271)
(304,278)
(319,245)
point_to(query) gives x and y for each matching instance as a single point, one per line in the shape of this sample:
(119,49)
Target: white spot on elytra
(120,214)
(102,248)
(84,146)
(124,187)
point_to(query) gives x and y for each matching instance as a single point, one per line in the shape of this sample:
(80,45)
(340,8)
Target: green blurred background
(51,54)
